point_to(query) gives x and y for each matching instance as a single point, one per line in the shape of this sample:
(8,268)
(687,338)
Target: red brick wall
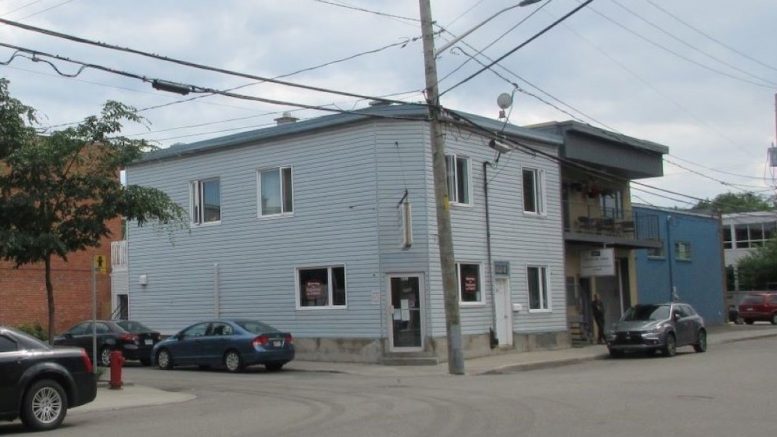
(23,290)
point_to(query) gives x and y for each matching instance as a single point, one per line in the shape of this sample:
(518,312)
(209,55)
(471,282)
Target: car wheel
(232,361)
(749,321)
(774,319)
(701,344)
(615,353)
(44,406)
(164,360)
(105,356)
(670,348)
(273,367)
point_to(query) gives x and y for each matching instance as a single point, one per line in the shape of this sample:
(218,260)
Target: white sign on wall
(597,262)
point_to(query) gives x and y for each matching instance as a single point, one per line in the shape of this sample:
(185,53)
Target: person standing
(597,307)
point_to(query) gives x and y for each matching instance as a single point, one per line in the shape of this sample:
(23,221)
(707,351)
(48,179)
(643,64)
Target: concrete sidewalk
(138,396)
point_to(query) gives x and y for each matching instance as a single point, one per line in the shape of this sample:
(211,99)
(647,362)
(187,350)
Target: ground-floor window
(538,288)
(470,289)
(321,287)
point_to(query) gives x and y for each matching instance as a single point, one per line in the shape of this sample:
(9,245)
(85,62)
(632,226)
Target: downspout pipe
(493,341)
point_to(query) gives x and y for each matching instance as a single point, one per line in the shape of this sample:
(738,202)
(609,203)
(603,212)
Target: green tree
(736,202)
(758,270)
(57,192)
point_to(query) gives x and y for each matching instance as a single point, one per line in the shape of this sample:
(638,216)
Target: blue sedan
(235,344)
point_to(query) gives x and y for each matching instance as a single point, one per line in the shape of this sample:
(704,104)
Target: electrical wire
(711,38)
(676,54)
(691,46)
(45,10)
(4,14)
(355,8)
(187,63)
(36,57)
(518,47)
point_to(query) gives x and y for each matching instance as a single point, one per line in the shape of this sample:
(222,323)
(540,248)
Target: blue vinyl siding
(699,280)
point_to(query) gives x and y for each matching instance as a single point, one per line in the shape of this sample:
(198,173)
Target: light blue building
(327,228)
(688,266)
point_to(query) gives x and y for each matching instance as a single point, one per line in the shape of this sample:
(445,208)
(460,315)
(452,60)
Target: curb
(753,337)
(520,367)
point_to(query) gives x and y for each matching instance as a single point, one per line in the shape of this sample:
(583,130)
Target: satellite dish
(504,100)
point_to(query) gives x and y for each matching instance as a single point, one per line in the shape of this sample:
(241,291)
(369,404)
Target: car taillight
(87,362)
(262,340)
(130,338)
(288,338)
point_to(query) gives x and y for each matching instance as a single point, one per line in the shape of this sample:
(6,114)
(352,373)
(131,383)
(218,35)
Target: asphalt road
(728,391)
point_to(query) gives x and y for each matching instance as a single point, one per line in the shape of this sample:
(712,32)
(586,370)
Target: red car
(759,306)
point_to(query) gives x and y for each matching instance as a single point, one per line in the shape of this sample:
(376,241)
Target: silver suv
(651,327)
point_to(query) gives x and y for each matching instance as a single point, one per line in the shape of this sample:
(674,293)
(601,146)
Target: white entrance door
(504,311)
(406,312)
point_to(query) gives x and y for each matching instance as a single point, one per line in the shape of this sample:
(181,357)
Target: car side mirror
(675,316)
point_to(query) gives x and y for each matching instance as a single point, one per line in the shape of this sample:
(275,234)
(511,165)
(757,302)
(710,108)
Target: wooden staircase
(578,333)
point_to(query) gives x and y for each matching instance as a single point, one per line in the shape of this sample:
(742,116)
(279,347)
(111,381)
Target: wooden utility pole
(444,232)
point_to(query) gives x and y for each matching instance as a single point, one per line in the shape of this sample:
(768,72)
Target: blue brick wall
(698,280)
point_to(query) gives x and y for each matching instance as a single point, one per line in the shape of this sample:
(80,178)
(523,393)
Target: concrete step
(410,359)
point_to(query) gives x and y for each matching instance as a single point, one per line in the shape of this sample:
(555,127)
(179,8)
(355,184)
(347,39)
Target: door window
(196,330)
(220,329)
(6,344)
(80,329)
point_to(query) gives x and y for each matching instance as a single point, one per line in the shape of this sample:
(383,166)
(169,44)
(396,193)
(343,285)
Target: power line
(561,160)
(45,10)
(523,44)
(401,44)
(691,46)
(679,55)
(355,8)
(187,63)
(711,38)
(20,8)
(189,87)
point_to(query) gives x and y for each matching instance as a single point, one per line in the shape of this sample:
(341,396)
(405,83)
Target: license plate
(748,309)
(276,343)
(149,341)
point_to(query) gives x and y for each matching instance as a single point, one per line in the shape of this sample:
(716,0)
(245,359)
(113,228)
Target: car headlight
(653,335)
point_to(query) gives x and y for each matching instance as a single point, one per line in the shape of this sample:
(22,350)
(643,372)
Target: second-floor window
(458,179)
(612,204)
(206,201)
(532,191)
(275,191)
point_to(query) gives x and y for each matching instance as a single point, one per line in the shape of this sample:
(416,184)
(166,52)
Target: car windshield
(646,312)
(255,327)
(29,341)
(130,326)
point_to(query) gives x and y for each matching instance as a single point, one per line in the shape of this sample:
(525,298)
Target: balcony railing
(119,254)
(612,222)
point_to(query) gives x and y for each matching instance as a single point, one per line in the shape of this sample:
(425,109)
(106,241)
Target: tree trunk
(50,298)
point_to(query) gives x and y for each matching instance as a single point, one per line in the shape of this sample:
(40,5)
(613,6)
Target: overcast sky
(699,76)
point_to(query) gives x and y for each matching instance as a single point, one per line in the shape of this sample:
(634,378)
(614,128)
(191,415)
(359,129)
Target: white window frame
(196,211)
(453,197)
(538,192)
(545,306)
(330,291)
(283,213)
(482,300)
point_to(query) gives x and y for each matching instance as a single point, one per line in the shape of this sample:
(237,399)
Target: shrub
(35,330)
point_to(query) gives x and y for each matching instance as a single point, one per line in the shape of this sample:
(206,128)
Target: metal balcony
(587,223)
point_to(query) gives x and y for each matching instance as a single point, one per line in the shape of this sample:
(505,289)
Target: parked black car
(39,383)
(133,339)
(663,327)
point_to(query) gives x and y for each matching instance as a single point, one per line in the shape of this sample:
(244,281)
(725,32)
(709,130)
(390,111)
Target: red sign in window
(314,289)
(470,283)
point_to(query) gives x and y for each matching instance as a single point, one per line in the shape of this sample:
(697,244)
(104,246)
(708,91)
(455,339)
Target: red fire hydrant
(117,360)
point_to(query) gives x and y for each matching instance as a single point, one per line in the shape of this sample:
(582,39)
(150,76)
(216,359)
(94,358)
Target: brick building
(23,290)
